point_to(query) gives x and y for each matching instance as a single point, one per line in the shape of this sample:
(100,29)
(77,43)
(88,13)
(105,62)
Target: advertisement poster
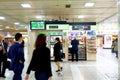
(107,41)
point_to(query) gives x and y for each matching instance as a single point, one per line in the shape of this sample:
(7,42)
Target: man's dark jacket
(16,53)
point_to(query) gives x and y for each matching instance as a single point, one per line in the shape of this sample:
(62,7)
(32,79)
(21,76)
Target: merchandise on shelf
(91,47)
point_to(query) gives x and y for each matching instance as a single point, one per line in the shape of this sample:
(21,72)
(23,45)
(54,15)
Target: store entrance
(80,36)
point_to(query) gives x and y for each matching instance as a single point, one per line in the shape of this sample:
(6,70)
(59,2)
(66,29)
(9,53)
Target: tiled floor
(104,68)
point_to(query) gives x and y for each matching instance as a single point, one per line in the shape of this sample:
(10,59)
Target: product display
(81,47)
(91,47)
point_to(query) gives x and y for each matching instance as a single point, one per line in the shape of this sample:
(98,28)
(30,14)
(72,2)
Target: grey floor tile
(104,68)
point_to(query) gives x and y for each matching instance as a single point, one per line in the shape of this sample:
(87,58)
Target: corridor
(104,68)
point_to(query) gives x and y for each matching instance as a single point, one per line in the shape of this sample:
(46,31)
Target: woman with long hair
(57,53)
(40,62)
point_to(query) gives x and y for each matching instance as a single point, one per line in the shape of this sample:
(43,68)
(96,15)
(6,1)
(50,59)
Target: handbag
(62,55)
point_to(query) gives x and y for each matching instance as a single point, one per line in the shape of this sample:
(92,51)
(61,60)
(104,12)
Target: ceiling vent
(67,6)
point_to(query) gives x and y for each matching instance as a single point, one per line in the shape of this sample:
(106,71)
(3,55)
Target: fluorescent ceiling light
(89,4)
(7,27)
(38,16)
(26,5)
(81,16)
(1,17)
(22,25)
(1,29)
(16,23)
(24,35)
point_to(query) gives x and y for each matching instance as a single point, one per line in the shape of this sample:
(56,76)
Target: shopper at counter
(75,44)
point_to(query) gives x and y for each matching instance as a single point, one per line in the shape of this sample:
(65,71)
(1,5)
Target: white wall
(109,25)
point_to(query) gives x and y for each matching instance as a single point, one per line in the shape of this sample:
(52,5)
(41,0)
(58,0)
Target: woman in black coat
(40,62)
(57,53)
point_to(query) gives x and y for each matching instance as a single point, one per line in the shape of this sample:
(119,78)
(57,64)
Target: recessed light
(16,23)
(7,27)
(89,4)
(1,17)
(38,16)
(81,16)
(26,5)
(22,25)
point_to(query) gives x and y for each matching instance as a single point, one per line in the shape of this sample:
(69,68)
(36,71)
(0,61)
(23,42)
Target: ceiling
(54,10)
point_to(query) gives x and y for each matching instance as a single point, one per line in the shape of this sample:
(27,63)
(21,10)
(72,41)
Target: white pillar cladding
(119,37)
(1,33)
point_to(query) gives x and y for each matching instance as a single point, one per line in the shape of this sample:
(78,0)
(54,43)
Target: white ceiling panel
(55,9)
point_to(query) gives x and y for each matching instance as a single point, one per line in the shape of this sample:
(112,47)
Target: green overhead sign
(42,33)
(94,27)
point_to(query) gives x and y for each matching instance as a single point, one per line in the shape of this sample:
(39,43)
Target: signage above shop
(57,27)
(81,27)
(37,25)
(53,27)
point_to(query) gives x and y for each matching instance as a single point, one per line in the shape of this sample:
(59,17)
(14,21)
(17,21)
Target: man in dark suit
(75,44)
(16,54)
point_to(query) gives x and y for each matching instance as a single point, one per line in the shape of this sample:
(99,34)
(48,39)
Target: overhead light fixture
(81,16)
(1,17)
(1,29)
(7,27)
(22,25)
(26,5)
(16,23)
(89,4)
(39,17)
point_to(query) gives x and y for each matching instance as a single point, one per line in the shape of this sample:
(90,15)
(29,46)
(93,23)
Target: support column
(119,38)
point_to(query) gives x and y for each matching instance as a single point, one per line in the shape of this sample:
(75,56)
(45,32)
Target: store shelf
(81,47)
(91,48)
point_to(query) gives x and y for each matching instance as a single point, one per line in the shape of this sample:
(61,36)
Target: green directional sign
(37,25)
(42,33)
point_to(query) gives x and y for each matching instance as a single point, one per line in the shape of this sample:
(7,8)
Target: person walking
(16,54)
(115,44)
(112,47)
(3,57)
(40,62)
(57,53)
(74,44)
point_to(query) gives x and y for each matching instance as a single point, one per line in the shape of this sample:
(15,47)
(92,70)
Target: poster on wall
(107,41)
